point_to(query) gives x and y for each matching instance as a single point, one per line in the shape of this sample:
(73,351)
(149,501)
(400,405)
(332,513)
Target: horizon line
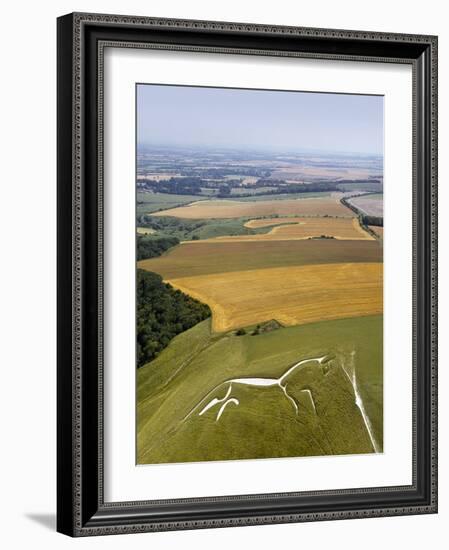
(254,149)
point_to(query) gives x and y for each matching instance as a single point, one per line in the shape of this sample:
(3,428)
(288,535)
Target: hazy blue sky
(259,119)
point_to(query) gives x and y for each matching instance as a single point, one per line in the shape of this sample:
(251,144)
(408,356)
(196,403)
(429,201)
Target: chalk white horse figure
(348,368)
(280,382)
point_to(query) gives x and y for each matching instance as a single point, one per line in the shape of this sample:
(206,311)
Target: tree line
(372,220)
(365,219)
(194,185)
(162,313)
(150,247)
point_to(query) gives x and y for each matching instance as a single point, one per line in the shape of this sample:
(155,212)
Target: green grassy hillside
(152,202)
(298,391)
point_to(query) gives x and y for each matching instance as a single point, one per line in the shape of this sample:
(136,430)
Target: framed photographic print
(246,274)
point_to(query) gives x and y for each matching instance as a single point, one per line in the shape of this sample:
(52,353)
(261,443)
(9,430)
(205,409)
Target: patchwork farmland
(196,258)
(289,363)
(305,228)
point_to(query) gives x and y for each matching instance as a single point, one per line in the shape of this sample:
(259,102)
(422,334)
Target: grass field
(268,222)
(190,229)
(368,187)
(202,258)
(321,206)
(216,228)
(290,295)
(152,202)
(185,413)
(306,228)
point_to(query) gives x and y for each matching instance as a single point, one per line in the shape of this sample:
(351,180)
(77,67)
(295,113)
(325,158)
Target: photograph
(246,272)
(259,273)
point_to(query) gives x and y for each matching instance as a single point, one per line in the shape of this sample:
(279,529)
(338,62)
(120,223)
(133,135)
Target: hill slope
(296,391)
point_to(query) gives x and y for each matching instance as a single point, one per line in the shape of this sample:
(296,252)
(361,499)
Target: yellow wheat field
(319,206)
(292,295)
(305,228)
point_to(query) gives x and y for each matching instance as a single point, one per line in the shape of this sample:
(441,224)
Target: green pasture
(152,202)
(192,371)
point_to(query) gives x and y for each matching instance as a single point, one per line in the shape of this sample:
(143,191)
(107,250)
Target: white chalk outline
(280,382)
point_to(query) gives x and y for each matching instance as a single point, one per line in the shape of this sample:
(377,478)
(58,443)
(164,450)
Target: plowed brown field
(190,259)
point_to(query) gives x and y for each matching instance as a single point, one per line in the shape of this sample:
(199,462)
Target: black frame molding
(81,510)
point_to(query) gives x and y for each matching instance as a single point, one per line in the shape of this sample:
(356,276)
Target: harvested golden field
(190,259)
(378,230)
(318,206)
(306,228)
(292,295)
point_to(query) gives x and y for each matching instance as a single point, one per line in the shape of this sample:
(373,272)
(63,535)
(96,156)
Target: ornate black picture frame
(81,509)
